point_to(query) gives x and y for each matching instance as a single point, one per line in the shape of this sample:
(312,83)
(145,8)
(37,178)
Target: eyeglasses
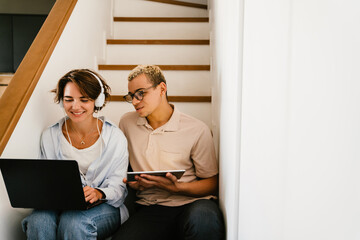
(139,94)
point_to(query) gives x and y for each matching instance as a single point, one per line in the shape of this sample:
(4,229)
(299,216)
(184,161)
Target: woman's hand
(92,195)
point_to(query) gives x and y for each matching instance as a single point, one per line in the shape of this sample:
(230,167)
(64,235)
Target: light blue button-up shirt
(107,171)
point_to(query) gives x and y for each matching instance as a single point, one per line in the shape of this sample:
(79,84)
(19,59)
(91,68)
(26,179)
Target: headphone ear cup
(100,100)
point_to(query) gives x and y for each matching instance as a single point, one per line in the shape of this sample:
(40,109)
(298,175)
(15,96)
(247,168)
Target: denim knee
(76,225)
(203,220)
(40,225)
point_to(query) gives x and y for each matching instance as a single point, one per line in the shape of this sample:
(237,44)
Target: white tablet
(177,173)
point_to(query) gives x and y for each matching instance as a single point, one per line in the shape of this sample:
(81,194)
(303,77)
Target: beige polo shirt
(182,143)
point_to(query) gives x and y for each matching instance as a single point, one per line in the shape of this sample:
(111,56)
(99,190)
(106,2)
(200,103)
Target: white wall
(264,135)
(90,18)
(226,66)
(299,128)
(322,188)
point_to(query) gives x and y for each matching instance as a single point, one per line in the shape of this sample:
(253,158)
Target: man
(162,138)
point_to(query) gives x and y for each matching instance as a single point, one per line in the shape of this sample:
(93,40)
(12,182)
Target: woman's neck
(84,127)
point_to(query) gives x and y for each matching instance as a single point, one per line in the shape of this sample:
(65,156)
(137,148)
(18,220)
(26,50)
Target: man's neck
(161,116)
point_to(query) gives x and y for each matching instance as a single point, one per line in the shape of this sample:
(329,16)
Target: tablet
(177,173)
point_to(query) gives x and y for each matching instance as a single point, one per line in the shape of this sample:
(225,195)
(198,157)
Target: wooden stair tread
(5,79)
(163,67)
(161,19)
(159,41)
(180,3)
(119,98)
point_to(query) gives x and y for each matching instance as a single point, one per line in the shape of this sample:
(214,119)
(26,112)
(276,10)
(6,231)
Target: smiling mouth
(77,113)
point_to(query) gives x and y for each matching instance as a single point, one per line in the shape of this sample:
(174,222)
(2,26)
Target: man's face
(151,95)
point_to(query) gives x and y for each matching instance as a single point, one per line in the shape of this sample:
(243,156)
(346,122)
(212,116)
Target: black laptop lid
(43,184)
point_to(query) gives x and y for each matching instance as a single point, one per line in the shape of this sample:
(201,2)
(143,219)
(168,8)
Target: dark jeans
(201,219)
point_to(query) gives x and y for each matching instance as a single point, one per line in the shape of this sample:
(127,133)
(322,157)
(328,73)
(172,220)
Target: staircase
(171,34)
(4,81)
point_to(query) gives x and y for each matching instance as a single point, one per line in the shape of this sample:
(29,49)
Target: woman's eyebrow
(82,97)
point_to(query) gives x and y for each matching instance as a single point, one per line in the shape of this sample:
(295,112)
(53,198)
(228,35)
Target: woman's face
(77,107)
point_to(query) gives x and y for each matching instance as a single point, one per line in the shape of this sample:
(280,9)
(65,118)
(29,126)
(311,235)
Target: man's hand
(92,194)
(145,181)
(200,188)
(134,184)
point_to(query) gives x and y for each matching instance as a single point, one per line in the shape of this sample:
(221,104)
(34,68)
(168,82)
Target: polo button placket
(150,147)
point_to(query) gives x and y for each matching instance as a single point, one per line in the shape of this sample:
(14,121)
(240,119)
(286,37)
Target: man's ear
(163,88)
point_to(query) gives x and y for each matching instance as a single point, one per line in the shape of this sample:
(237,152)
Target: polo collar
(171,126)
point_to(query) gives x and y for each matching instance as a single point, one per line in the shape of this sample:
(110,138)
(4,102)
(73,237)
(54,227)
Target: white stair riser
(158,54)
(143,8)
(202,111)
(161,30)
(180,83)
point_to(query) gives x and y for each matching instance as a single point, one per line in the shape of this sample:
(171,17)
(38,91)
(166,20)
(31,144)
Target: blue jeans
(96,223)
(200,220)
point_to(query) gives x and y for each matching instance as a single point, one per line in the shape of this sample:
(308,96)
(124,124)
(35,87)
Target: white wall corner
(96,66)
(104,45)
(111,19)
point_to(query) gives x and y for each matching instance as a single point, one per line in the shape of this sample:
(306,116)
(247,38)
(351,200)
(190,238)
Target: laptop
(44,184)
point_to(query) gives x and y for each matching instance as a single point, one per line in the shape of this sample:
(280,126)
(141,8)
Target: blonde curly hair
(152,72)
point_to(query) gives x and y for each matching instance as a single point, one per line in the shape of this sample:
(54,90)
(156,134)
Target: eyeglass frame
(139,91)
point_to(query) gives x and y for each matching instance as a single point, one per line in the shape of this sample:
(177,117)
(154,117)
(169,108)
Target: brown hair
(88,85)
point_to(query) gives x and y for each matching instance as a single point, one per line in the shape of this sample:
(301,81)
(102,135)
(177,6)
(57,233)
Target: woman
(100,149)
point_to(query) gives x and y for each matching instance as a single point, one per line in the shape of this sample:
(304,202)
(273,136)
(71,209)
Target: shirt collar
(171,126)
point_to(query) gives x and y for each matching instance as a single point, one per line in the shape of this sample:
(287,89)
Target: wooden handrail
(18,93)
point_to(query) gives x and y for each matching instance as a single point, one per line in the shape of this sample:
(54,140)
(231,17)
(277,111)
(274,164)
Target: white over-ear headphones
(99,101)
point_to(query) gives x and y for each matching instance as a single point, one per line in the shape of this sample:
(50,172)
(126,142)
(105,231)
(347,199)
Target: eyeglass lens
(139,95)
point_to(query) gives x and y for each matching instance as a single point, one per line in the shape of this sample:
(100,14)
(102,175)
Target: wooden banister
(17,94)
